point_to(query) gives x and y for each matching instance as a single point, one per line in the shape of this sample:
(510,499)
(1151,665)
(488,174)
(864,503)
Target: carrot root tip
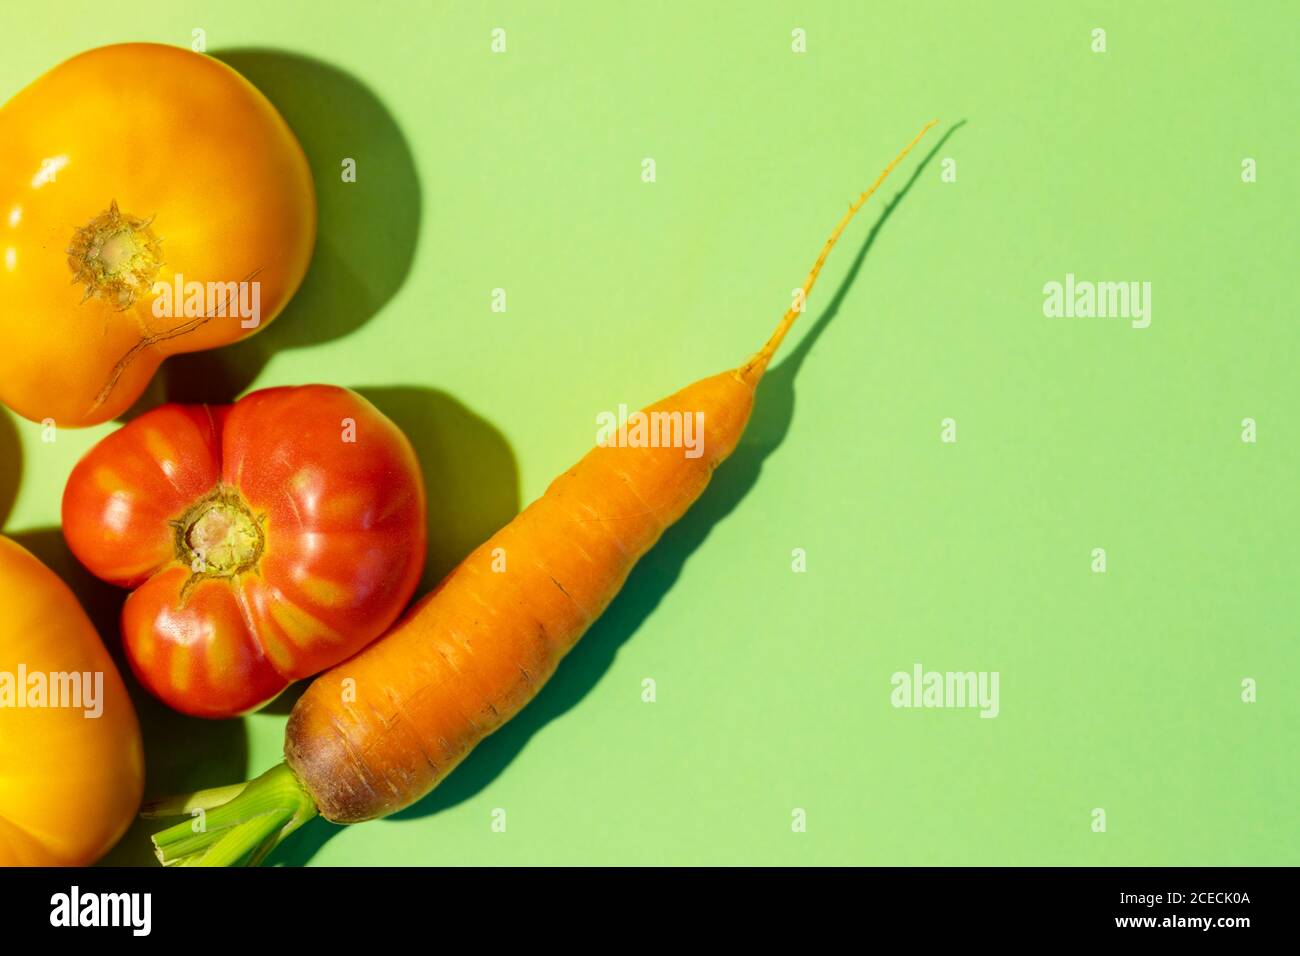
(752,371)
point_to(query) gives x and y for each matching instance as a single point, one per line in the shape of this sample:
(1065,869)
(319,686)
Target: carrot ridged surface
(379,731)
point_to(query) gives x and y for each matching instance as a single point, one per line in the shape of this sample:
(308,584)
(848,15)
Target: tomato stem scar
(218,536)
(116,256)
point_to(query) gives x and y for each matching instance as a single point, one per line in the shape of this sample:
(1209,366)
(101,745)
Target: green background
(522,171)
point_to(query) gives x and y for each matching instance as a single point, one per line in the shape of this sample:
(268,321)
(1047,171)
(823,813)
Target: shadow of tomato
(366,234)
(11,463)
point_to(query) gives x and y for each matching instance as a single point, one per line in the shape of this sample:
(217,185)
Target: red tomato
(265,540)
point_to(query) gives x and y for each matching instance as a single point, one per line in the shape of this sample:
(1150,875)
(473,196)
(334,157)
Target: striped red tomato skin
(263,541)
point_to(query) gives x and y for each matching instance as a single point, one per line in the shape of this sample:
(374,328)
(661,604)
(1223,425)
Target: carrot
(379,731)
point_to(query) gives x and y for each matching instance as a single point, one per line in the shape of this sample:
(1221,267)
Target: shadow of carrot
(652,578)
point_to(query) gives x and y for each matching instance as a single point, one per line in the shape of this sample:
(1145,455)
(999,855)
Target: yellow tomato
(71,761)
(152,202)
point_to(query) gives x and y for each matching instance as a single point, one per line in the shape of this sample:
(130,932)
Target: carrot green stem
(239,831)
(182,805)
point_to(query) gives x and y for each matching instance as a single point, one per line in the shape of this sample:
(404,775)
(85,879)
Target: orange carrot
(379,731)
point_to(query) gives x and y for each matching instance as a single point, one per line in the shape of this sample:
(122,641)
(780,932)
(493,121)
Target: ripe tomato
(128,174)
(265,540)
(73,763)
